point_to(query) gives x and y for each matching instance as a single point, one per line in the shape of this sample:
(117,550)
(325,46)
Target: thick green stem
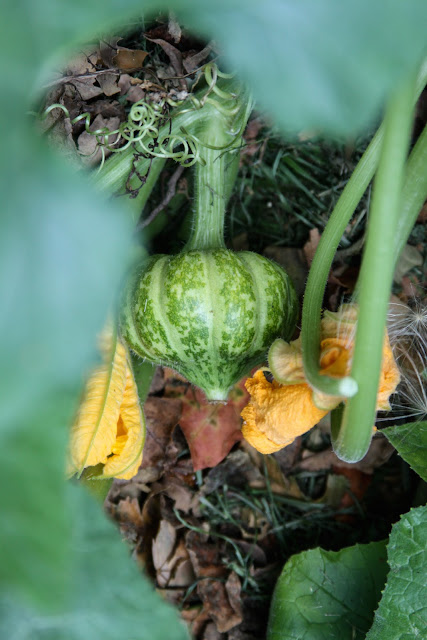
(209,191)
(216,170)
(322,262)
(354,436)
(414,191)
(320,267)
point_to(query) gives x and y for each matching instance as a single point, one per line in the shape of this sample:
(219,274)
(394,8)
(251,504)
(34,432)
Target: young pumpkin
(208,312)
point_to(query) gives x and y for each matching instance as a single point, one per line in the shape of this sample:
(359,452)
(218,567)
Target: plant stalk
(322,262)
(354,436)
(414,192)
(214,174)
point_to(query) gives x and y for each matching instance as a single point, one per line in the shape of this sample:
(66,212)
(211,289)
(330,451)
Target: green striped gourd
(209,313)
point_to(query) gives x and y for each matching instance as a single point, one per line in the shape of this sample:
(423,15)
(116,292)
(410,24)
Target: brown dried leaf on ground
(86,61)
(175,385)
(206,557)
(276,478)
(211,430)
(174,55)
(222,602)
(288,456)
(162,415)
(108,83)
(128,513)
(251,134)
(237,470)
(211,633)
(129,59)
(88,145)
(379,452)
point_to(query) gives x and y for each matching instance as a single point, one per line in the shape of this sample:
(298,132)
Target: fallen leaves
(212,430)
(211,542)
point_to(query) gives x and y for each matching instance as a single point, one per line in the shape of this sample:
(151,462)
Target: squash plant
(63,249)
(210,313)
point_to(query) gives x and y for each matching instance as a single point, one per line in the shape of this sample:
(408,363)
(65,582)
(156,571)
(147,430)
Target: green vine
(322,263)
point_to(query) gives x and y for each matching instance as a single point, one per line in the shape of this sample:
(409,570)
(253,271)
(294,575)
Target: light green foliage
(410,441)
(62,251)
(322,595)
(106,597)
(402,613)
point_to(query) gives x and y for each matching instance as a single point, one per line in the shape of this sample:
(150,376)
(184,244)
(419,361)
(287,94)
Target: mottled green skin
(209,315)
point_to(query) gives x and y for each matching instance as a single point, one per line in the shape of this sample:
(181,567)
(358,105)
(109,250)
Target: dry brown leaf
(211,430)
(162,549)
(88,145)
(108,83)
(162,415)
(216,600)
(211,632)
(173,54)
(129,59)
(206,557)
(379,452)
(86,88)
(84,62)
(178,492)
(195,61)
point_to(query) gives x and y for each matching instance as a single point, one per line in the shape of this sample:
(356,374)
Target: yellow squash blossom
(287,407)
(109,428)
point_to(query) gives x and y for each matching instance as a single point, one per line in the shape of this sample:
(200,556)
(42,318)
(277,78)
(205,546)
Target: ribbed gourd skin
(210,315)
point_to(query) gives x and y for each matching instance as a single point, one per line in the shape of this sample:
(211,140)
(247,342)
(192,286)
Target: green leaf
(62,254)
(316,65)
(402,613)
(322,595)
(410,440)
(107,598)
(35,530)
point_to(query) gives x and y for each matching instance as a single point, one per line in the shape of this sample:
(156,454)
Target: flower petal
(285,361)
(281,413)
(341,323)
(94,431)
(389,378)
(127,450)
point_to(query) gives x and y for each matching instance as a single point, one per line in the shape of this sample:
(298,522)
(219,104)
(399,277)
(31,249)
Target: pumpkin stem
(219,141)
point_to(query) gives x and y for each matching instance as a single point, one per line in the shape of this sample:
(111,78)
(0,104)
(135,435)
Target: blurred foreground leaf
(35,530)
(410,440)
(323,594)
(402,613)
(312,65)
(107,597)
(316,65)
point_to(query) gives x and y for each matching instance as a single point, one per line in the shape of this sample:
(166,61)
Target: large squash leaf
(410,441)
(402,613)
(107,597)
(323,594)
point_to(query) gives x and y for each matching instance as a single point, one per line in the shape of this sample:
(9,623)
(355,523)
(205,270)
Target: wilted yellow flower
(109,426)
(287,407)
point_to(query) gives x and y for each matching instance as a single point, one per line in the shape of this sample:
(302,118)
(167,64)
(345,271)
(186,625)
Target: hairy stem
(354,436)
(322,262)
(414,192)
